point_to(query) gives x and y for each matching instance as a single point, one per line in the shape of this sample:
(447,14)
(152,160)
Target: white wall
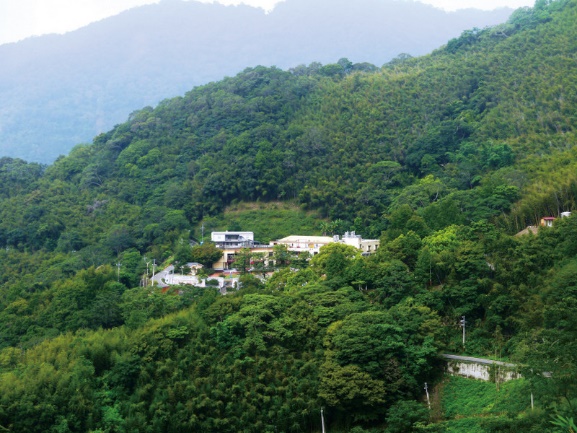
(481,371)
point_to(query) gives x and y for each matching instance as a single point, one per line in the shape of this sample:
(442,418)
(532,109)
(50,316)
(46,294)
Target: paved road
(162,274)
(477,360)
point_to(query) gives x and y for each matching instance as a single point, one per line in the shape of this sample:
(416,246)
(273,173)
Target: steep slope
(427,153)
(58,91)
(339,138)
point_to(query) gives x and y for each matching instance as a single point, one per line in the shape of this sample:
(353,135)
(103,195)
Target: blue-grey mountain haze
(57,91)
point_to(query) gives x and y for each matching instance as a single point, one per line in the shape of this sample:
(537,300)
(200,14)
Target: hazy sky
(20,19)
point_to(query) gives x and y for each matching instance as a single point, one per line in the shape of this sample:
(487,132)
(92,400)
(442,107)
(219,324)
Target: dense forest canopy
(443,157)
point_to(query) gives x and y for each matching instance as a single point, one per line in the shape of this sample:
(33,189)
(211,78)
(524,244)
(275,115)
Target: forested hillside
(443,157)
(60,90)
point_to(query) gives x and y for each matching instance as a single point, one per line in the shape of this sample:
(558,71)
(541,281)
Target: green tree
(332,256)
(183,253)
(389,352)
(281,256)
(205,254)
(242,260)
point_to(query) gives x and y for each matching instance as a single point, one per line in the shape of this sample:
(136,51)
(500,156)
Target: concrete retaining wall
(481,369)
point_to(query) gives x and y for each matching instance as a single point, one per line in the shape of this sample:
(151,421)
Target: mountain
(58,91)
(444,158)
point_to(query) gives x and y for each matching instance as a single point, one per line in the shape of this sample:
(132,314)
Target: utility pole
(427,391)
(153,267)
(532,400)
(146,281)
(463,322)
(118,271)
(322,420)
(202,237)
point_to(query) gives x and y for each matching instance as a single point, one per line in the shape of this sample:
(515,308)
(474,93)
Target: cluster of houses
(232,242)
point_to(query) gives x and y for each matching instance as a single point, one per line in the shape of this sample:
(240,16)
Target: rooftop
(307,239)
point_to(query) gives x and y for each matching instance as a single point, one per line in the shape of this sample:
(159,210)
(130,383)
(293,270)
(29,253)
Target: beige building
(313,244)
(232,242)
(547,221)
(228,256)
(298,244)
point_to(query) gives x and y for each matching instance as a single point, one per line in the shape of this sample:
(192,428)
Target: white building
(367,246)
(313,244)
(232,239)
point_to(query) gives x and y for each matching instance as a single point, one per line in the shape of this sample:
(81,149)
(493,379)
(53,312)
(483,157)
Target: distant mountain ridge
(60,90)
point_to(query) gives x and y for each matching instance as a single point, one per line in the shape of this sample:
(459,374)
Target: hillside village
(261,257)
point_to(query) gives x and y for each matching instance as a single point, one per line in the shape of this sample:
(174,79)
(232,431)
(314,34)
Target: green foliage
(205,254)
(333,261)
(404,415)
(268,221)
(370,360)
(442,157)
(565,424)
(463,397)
(482,407)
